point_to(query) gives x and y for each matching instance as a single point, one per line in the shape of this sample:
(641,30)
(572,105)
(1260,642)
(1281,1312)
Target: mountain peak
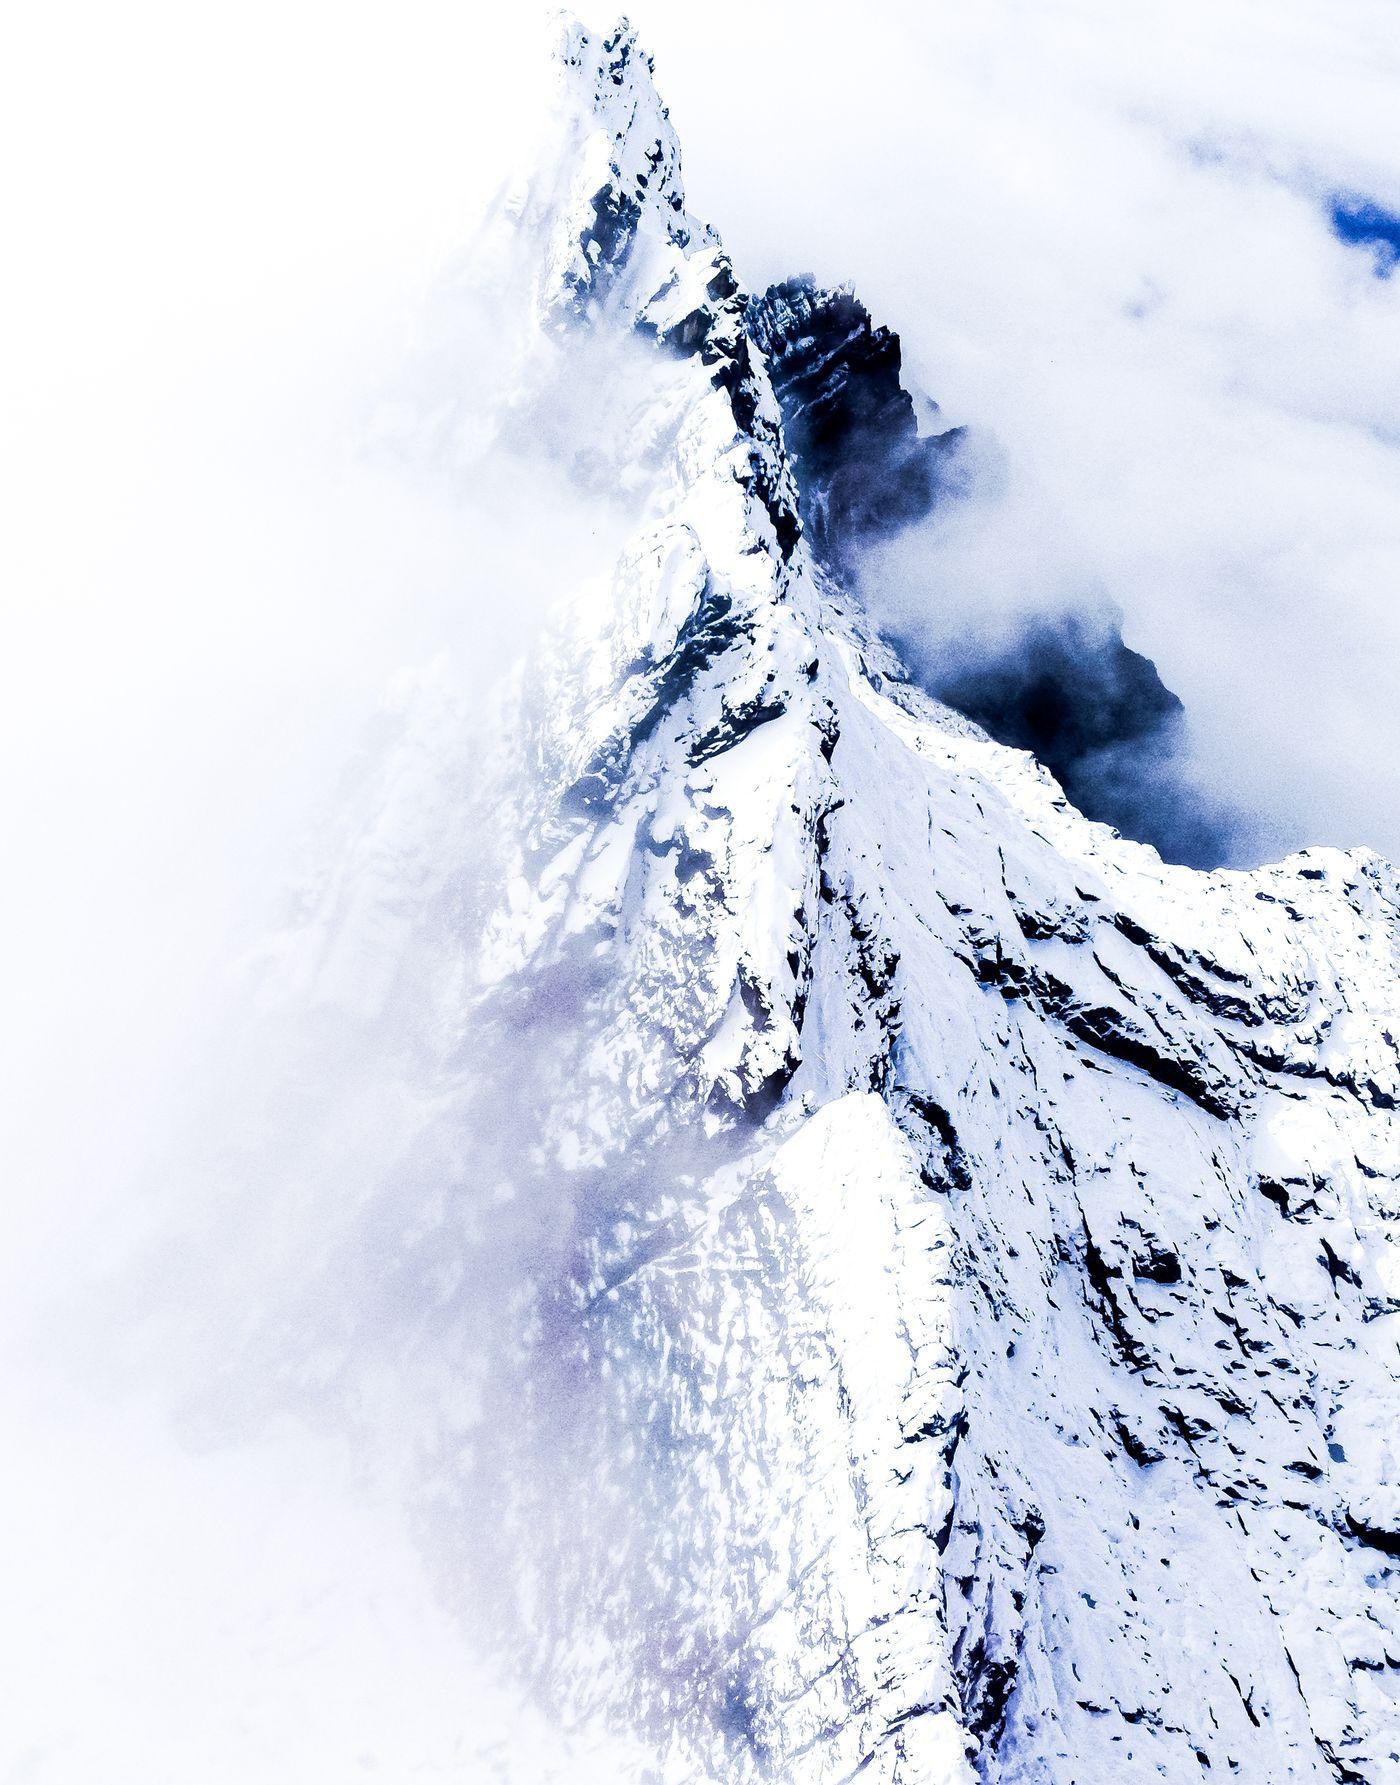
(610,178)
(955,1243)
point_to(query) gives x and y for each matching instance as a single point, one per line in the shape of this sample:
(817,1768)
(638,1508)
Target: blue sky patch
(1363,223)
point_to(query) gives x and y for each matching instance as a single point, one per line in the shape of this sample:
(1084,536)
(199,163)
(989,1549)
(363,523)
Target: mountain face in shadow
(1099,716)
(1063,685)
(863,469)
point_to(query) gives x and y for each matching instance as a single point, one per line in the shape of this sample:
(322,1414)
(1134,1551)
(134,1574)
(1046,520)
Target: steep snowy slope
(924,1268)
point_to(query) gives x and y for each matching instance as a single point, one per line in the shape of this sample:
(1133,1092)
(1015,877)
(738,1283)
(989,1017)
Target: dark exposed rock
(1098,715)
(1108,1030)
(1102,1278)
(863,468)
(986,1683)
(1178,967)
(1376,1536)
(1159,1264)
(1142,1453)
(952,1169)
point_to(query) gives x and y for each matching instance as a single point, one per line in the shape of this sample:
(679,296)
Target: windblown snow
(920,1270)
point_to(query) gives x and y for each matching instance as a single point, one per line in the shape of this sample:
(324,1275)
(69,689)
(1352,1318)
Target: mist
(265,578)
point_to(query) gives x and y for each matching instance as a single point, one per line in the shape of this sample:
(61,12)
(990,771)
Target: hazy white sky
(1100,229)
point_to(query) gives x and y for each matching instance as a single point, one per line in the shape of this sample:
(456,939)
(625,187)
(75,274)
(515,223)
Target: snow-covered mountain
(916,1272)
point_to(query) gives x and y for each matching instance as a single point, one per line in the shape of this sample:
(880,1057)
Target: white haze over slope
(1099,232)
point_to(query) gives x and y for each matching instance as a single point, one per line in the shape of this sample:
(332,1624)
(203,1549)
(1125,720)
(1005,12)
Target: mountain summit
(926,1266)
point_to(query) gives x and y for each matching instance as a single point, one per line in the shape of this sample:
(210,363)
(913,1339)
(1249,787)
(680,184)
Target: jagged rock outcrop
(863,469)
(925,1266)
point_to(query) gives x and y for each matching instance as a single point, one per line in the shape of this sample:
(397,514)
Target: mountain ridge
(952,1297)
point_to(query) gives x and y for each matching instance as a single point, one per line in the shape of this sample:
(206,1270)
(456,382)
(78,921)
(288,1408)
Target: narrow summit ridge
(625,195)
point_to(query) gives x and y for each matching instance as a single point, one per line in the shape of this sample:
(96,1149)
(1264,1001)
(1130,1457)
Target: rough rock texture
(956,1336)
(863,469)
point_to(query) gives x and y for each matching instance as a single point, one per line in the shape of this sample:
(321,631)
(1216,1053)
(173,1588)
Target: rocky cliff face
(863,469)
(925,1267)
